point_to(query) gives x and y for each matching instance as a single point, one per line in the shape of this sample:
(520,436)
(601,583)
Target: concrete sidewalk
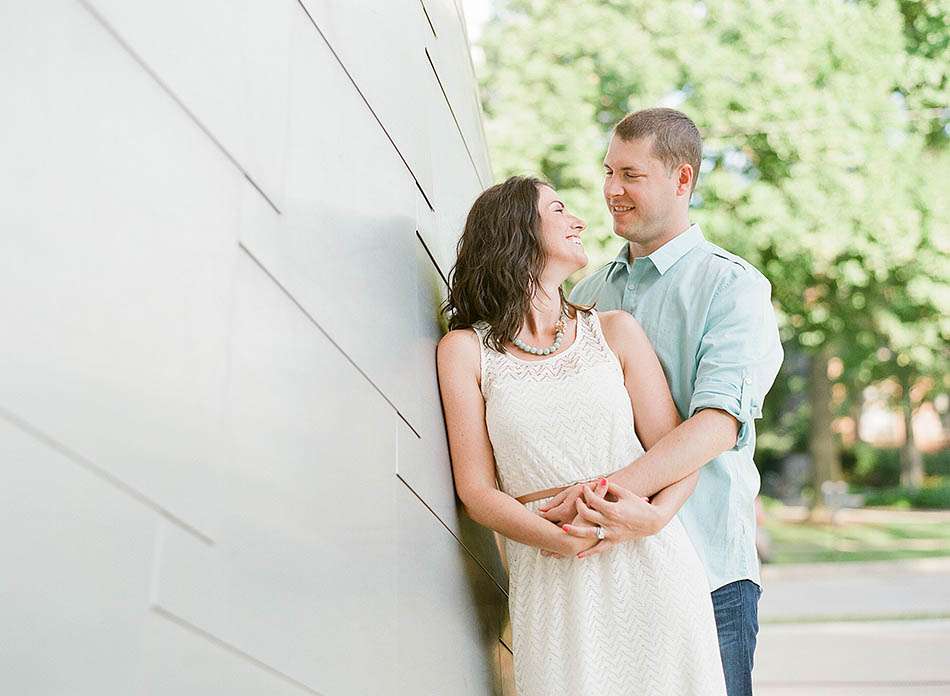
(916,588)
(872,657)
(845,629)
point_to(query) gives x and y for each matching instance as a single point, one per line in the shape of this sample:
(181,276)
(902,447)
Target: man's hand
(630,517)
(561,509)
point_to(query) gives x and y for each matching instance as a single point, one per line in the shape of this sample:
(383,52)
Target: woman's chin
(569,265)
(581,260)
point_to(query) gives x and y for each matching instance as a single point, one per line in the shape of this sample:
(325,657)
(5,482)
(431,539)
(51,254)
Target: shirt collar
(668,254)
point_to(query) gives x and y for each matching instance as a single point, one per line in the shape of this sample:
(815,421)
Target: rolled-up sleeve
(740,352)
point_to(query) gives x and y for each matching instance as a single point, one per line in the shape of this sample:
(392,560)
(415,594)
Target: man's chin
(623,229)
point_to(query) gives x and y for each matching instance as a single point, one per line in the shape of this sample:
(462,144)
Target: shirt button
(748,380)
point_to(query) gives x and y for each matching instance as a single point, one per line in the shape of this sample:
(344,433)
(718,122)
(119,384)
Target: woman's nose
(579,225)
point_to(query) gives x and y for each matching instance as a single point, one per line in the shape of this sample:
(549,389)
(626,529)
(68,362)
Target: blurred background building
(226,228)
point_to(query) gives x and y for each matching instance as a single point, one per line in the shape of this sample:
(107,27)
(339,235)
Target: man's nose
(612,187)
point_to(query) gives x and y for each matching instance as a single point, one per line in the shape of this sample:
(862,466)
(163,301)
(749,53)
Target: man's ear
(684,179)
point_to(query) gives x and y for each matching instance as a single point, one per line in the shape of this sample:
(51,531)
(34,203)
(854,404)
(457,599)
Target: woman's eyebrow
(556,203)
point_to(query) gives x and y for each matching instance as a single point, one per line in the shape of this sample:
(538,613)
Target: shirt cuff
(735,399)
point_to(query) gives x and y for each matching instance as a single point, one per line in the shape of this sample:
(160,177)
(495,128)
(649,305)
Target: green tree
(924,81)
(817,116)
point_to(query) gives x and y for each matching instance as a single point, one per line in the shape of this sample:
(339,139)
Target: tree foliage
(826,155)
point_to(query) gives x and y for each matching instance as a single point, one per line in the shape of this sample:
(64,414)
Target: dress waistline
(551,492)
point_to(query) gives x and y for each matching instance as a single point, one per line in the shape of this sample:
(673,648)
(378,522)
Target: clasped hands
(583,507)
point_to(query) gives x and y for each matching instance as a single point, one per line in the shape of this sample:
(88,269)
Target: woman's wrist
(563,542)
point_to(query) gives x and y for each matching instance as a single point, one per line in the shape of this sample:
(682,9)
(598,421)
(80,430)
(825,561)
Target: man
(709,316)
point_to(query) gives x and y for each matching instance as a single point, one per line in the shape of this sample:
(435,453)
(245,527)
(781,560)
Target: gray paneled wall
(224,231)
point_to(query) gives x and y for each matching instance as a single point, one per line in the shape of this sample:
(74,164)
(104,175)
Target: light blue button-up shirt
(709,316)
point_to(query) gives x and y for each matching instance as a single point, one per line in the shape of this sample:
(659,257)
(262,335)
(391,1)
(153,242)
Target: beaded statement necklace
(558,337)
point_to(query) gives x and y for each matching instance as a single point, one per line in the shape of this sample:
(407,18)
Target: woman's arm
(473,462)
(654,412)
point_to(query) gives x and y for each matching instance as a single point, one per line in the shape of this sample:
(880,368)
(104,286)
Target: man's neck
(638,250)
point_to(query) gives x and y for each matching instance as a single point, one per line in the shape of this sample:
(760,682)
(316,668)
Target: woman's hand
(573,548)
(629,517)
(561,509)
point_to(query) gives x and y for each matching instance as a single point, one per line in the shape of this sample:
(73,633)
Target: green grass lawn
(809,542)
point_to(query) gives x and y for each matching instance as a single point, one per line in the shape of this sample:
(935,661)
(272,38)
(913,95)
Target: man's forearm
(669,500)
(680,452)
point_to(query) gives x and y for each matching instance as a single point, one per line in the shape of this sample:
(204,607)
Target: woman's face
(560,232)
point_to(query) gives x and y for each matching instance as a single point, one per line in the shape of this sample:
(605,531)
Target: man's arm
(681,452)
(629,517)
(655,416)
(738,358)
(737,361)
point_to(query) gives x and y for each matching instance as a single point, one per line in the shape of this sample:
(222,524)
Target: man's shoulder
(715,256)
(727,268)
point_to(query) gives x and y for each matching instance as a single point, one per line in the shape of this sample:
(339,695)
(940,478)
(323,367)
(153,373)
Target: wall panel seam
(454,535)
(366,101)
(455,118)
(432,259)
(102,474)
(428,18)
(174,97)
(475,89)
(326,334)
(210,637)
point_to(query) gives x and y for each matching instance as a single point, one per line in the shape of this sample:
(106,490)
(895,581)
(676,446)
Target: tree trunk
(912,463)
(855,410)
(826,465)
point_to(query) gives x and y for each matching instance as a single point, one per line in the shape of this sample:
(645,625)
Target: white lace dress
(637,619)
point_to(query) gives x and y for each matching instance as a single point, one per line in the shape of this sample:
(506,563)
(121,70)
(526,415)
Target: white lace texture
(637,619)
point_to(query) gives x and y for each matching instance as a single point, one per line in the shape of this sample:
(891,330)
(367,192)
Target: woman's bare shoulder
(459,340)
(458,348)
(457,358)
(618,321)
(624,335)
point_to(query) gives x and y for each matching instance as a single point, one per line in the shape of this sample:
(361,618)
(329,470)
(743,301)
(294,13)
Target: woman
(543,393)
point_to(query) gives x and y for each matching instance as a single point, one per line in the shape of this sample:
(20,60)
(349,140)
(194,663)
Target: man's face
(639,191)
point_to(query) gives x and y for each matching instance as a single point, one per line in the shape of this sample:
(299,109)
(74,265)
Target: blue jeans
(737,620)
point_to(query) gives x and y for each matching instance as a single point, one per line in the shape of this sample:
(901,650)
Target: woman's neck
(544,312)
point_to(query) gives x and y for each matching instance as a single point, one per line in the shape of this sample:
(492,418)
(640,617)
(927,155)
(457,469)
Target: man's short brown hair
(676,138)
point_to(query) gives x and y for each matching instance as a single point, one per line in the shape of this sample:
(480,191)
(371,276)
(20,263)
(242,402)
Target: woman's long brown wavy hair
(499,260)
